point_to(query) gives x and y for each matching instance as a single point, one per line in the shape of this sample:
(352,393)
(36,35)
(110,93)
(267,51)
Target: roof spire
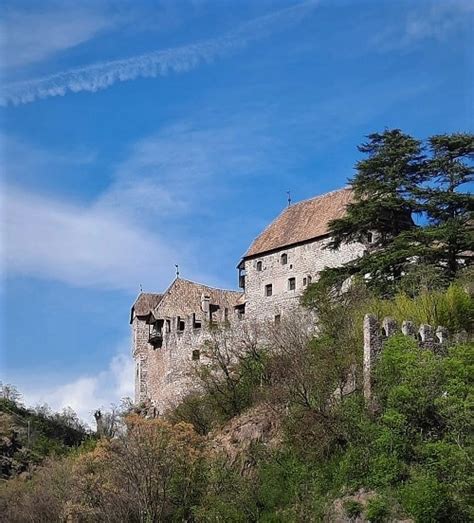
(177,271)
(288,192)
(141,288)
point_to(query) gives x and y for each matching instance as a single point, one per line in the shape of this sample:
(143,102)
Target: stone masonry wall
(376,334)
(141,349)
(304,260)
(169,367)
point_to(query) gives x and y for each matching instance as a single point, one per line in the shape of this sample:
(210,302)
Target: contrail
(102,75)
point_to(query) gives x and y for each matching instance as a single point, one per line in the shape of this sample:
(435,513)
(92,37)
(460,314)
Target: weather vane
(288,192)
(141,288)
(177,271)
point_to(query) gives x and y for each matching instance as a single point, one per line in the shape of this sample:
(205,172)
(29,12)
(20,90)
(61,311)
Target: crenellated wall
(377,333)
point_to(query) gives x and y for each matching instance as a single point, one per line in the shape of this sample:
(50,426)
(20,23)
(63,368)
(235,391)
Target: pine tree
(449,210)
(381,216)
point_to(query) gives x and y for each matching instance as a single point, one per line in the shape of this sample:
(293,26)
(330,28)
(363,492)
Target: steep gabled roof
(184,297)
(302,222)
(144,304)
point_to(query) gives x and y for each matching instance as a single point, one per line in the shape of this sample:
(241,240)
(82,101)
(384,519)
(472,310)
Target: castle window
(268,289)
(304,282)
(277,319)
(180,324)
(259,266)
(370,237)
(196,323)
(196,355)
(309,280)
(291,284)
(240,311)
(284,259)
(168,326)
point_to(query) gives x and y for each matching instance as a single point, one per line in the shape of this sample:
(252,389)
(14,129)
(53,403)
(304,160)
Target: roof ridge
(319,196)
(293,212)
(208,286)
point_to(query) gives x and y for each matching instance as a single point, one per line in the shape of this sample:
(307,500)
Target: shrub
(424,498)
(353,508)
(377,510)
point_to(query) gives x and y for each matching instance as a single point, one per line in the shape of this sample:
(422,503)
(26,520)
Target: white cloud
(182,167)
(102,75)
(433,21)
(127,235)
(88,392)
(31,36)
(79,245)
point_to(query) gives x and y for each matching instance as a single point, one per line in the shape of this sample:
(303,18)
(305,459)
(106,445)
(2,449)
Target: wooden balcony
(155,338)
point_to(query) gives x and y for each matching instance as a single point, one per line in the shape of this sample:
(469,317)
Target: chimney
(205,306)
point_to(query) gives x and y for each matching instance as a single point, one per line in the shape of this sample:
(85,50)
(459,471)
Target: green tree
(381,215)
(394,183)
(448,208)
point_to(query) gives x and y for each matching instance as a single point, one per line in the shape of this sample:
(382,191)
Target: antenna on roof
(288,192)
(177,271)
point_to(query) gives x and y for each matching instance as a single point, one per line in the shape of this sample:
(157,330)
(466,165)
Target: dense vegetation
(412,201)
(411,457)
(28,436)
(280,430)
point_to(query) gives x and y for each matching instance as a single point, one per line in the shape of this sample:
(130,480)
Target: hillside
(277,435)
(27,437)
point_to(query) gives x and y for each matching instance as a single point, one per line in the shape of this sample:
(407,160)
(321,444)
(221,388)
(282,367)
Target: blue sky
(136,135)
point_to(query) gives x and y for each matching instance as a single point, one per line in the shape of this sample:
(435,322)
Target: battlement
(377,333)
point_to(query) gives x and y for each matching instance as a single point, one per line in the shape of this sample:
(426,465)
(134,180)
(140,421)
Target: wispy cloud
(100,76)
(127,234)
(184,166)
(79,245)
(87,392)
(30,36)
(432,21)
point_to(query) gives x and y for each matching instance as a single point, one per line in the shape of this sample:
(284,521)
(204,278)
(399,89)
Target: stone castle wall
(303,262)
(163,374)
(140,356)
(168,369)
(377,333)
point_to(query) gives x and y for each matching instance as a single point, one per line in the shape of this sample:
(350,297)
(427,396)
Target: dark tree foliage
(383,189)
(394,183)
(448,208)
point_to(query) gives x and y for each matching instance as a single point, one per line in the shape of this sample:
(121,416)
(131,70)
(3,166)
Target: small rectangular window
(196,323)
(277,318)
(180,324)
(284,259)
(259,266)
(268,289)
(304,282)
(196,355)
(291,284)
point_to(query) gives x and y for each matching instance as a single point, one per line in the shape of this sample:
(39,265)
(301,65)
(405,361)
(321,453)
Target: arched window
(259,266)
(284,258)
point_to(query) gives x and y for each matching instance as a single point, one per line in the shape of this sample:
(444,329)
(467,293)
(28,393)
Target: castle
(169,329)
